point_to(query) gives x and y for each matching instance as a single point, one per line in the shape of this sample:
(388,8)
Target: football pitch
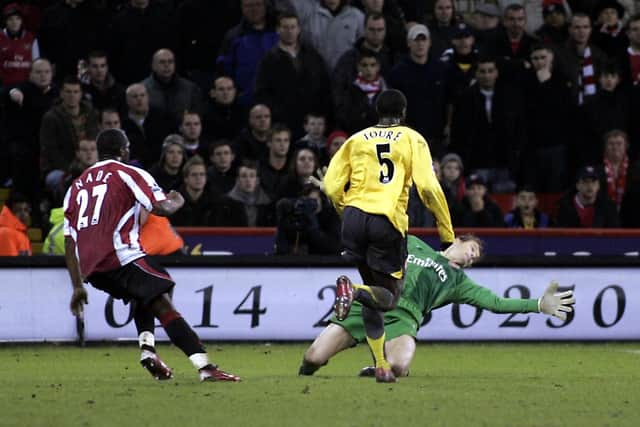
(476,384)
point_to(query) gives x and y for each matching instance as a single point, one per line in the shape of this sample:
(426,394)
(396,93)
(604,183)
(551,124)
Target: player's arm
(79,296)
(337,177)
(149,194)
(550,302)
(170,205)
(430,190)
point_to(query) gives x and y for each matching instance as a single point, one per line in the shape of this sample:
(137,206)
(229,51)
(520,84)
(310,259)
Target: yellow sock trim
(367,289)
(377,348)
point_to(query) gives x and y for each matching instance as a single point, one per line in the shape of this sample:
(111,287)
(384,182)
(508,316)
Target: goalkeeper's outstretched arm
(551,302)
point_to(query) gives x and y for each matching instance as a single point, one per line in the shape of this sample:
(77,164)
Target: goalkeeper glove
(557,305)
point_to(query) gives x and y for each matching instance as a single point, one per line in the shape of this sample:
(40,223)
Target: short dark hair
(97,54)
(609,68)
(220,143)
(186,113)
(580,15)
(367,53)
(249,164)
(391,103)
(287,15)
(16,197)
(513,7)
(71,80)
(314,114)
(108,110)
(110,142)
(277,128)
(486,59)
(540,46)
(374,16)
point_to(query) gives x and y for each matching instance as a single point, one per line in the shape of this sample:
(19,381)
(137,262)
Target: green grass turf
(450,385)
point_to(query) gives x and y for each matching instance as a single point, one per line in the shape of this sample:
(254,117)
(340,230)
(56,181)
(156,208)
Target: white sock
(145,354)
(146,338)
(199,360)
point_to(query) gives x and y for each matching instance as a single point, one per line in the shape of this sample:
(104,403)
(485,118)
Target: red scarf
(370,87)
(587,77)
(616,185)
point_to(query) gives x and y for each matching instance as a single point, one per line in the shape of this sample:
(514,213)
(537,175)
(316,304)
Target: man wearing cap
(609,34)
(461,59)
(18,47)
(476,208)
(555,30)
(424,82)
(586,207)
(485,21)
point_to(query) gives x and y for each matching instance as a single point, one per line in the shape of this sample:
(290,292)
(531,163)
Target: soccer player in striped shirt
(102,246)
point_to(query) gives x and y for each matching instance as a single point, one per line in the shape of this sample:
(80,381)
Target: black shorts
(374,241)
(141,280)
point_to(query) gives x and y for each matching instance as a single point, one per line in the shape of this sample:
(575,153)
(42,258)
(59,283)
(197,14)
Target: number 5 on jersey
(382,149)
(83,200)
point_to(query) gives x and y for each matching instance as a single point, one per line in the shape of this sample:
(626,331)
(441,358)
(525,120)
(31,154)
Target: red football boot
(344,297)
(156,367)
(212,373)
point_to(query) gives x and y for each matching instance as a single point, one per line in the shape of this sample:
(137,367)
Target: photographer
(307,224)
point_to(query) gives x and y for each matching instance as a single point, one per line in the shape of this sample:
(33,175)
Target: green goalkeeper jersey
(431,282)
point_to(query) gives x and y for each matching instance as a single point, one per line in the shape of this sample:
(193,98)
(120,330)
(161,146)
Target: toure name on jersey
(429,263)
(390,135)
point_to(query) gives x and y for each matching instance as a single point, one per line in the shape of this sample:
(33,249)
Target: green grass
(450,385)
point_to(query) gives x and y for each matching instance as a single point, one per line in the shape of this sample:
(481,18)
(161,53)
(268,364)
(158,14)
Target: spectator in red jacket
(18,47)
(14,219)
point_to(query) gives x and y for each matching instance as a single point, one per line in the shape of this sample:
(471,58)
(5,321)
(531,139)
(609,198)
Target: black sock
(373,322)
(145,322)
(383,298)
(181,334)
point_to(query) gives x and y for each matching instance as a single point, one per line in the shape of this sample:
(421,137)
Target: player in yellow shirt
(368,181)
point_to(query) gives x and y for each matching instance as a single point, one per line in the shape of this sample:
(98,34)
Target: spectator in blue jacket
(244,46)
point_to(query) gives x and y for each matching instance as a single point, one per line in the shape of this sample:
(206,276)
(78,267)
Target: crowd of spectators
(238,104)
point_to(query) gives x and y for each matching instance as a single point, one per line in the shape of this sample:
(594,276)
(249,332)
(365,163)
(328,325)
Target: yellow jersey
(379,164)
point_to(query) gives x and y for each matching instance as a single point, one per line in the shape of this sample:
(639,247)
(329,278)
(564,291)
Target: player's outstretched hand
(556,304)
(78,299)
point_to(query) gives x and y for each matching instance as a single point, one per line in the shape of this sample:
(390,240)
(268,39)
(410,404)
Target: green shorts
(397,322)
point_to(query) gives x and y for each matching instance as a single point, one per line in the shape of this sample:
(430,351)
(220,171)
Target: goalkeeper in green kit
(432,280)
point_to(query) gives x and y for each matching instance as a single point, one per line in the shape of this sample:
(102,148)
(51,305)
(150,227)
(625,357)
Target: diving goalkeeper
(433,279)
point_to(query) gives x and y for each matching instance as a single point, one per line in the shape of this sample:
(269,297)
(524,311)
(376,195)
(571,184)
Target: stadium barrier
(498,241)
(268,298)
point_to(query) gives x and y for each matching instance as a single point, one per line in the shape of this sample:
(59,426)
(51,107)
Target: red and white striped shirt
(102,214)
